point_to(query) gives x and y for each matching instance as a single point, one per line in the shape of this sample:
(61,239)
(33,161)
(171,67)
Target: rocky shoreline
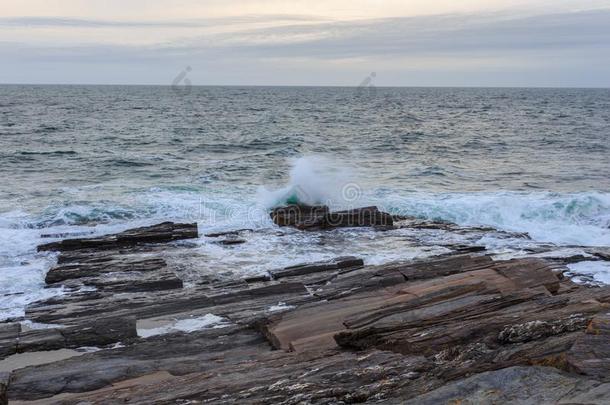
(461,327)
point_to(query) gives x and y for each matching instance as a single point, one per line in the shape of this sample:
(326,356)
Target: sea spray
(315,180)
(577,218)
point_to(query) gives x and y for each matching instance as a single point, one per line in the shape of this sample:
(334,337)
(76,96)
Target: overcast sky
(315,42)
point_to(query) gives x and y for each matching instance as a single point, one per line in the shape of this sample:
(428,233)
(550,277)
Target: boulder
(319,217)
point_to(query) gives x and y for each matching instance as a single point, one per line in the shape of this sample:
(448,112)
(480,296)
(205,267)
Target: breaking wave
(314,180)
(561,218)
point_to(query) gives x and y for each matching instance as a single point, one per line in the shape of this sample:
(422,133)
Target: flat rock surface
(463,327)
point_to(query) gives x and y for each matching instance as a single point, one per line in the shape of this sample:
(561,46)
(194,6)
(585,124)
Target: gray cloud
(570,47)
(58,22)
(425,35)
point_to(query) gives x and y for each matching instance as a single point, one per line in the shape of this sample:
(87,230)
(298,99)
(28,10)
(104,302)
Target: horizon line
(312,86)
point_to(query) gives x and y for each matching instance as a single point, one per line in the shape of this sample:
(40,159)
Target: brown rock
(590,354)
(453,326)
(319,217)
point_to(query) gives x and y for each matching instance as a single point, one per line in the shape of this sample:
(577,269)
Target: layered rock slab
(161,233)
(320,217)
(347,333)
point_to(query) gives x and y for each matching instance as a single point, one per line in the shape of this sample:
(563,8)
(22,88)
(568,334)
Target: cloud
(422,35)
(58,22)
(389,37)
(574,43)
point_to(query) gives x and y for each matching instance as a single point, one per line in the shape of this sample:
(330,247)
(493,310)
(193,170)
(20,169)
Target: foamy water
(560,218)
(89,160)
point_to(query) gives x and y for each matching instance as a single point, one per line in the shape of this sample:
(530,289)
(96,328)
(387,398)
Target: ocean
(88,160)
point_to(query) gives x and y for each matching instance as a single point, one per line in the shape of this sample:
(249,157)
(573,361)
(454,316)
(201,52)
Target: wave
(314,180)
(45,153)
(565,219)
(561,218)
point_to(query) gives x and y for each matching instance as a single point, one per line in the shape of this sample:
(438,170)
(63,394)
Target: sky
(560,43)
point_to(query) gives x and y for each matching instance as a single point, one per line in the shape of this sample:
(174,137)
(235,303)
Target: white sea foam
(186,325)
(27,324)
(281,306)
(22,268)
(581,218)
(567,218)
(561,218)
(598,270)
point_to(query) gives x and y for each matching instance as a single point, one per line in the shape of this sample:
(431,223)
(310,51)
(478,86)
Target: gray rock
(599,395)
(230,241)
(9,332)
(453,327)
(161,233)
(309,268)
(92,332)
(122,264)
(4,383)
(513,385)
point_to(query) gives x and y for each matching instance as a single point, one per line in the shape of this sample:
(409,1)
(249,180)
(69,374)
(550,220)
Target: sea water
(88,160)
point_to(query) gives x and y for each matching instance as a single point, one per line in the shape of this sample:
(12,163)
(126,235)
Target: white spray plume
(314,180)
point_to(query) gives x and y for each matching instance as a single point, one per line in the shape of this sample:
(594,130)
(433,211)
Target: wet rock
(101,332)
(310,268)
(178,354)
(601,253)
(4,381)
(319,217)
(9,333)
(108,265)
(161,233)
(457,327)
(132,282)
(299,215)
(116,273)
(64,235)
(230,242)
(257,279)
(466,248)
(368,216)
(154,304)
(41,340)
(228,233)
(93,332)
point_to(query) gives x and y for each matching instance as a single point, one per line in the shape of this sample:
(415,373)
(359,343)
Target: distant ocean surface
(87,160)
